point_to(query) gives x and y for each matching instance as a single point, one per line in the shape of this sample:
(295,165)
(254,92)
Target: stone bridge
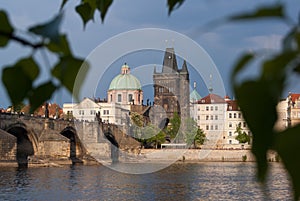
(27,139)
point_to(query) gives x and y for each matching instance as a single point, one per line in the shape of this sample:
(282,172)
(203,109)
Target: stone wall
(8,146)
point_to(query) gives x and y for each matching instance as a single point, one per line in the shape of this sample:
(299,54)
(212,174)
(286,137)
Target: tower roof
(170,62)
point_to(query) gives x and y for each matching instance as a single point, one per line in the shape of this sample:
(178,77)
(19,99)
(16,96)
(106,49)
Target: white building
(233,119)
(124,91)
(209,113)
(218,117)
(288,111)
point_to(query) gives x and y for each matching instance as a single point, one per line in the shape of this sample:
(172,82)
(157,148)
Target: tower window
(119,98)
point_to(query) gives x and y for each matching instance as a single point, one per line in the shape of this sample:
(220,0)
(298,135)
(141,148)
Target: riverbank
(154,156)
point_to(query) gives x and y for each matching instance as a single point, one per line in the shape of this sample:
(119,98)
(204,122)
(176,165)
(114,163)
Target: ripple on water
(181,181)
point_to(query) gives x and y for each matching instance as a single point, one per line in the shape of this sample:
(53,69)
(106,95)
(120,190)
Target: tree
(193,135)
(242,136)
(173,129)
(151,134)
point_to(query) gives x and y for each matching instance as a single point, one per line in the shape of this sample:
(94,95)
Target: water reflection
(184,181)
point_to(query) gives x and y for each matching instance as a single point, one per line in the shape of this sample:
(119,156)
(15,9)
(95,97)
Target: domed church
(125,88)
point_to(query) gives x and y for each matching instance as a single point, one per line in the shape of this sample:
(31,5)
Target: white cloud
(271,42)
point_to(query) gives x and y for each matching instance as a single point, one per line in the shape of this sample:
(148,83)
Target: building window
(198,108)
(129,97)
(244,124)
(211,127)
(240,115)
(216,108)
(119,98)
(216,127)
(230,115)
(216,117)
(160,89)
(230,133)
(230,125)
(207,117)
(111,98)
(81,112)
(207,127)
(211,117)
(212,108)
(93,112)
(234,115)
(207,108)
(198,117)
(230,142)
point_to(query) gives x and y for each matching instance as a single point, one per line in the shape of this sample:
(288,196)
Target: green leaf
(86,12)
(262,12)
(18,79)
(241,64)
(259,110)
(102,6)
(63,4)
(41,94)
(62,47)
(66,71)
(49,29)
(274,71)
(5,29)
(287,146)
(174,4)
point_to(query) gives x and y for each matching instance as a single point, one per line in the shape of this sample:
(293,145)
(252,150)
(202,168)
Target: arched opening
(69,133)
(114,147)
(24,145)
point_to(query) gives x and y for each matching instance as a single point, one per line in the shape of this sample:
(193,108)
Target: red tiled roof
(211,98)
(294,97)
(232,105)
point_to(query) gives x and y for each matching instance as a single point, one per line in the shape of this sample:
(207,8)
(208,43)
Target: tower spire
(210,88)
(170,62)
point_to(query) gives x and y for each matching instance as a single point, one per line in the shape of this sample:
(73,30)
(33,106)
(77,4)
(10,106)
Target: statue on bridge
(46,110)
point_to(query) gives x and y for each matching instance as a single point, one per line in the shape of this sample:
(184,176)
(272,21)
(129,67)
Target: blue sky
(223,43)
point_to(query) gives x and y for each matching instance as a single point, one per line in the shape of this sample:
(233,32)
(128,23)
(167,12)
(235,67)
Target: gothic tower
(171,87)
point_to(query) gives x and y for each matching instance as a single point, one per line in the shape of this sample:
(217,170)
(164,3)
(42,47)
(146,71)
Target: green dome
(194,96)
(125,81)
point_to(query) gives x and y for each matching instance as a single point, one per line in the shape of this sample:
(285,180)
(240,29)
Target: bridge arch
(25,147)
(76,148)
(114,148)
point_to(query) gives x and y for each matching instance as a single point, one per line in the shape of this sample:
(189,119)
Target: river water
(180,181)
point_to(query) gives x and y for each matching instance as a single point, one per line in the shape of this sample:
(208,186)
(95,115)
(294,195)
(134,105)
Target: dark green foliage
(242,136)
(244,158)
(173,4)
(258,98)
(262,12)
(173,129)
(49,30)
(193,135)
(5,29)
(19,78)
